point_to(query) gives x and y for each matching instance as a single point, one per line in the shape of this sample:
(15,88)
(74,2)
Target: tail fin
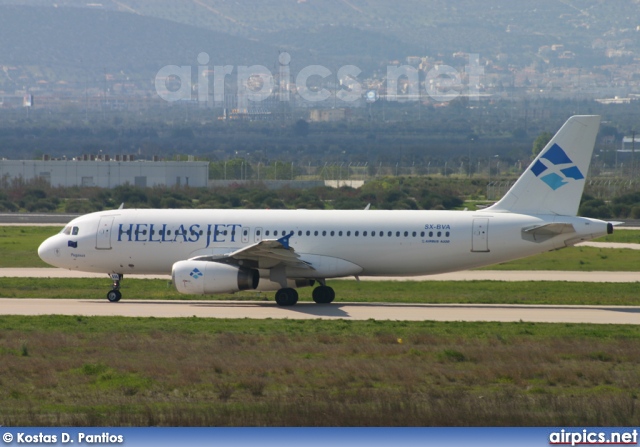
(554,182)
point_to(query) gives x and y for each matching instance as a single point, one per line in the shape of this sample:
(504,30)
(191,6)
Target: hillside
(77,42)
(83,41)
(433,26)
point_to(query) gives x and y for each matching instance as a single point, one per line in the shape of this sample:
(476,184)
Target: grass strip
(107,371)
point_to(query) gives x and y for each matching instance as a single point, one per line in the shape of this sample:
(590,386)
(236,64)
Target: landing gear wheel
(323,294)
(286,297)
(114,296)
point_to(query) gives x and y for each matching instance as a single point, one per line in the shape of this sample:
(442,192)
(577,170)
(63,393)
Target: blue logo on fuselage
(555,156)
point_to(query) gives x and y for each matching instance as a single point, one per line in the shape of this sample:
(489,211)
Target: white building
(107,174)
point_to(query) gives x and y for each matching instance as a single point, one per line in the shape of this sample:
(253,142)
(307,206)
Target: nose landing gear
(114,294)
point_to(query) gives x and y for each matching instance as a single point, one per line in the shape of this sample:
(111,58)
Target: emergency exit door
(480,235)
(103,237)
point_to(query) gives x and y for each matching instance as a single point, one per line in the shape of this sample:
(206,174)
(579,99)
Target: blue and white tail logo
(557,168)
(195,274)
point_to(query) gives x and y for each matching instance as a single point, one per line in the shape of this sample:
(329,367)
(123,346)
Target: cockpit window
(74,231)
(67,230)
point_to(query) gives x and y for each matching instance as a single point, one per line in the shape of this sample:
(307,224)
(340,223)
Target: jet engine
(206,278)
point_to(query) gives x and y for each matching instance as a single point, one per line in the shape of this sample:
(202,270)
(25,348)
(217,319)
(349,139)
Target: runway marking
(335,311)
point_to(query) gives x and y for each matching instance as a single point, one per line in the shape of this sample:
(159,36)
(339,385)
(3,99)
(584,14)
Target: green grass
(480,292)
(624,236)
(19,245)
(107,371)
(578,259)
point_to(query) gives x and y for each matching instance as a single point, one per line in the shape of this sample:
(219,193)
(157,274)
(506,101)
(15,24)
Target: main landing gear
(286,296)
(289,297)
(114,294)
(323,294)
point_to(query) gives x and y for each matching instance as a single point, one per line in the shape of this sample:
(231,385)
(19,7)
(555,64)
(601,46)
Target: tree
(301,128)
(541,142)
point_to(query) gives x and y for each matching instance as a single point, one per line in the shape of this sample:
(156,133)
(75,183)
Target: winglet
(284,240)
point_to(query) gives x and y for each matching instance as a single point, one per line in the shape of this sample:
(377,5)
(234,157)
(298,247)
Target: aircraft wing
(265,254)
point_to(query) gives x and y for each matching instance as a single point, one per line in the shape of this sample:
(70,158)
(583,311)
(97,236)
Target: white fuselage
(373,243)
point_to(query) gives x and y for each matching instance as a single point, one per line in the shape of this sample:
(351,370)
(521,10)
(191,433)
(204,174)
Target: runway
(306,311)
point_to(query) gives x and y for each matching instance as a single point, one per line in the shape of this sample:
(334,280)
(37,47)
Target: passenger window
(373,234)
(339,233)
(413,234)
(422,234)
(308,233)
(348,233)
(389,233)
(406,233)
(324,233)
(266,233)
(439,233)
(356,233)
(333,233)
(299,232)
(430,233)
(364,233)
(447,234)
(275,233)
(381,233)
(315,233)
(397,234)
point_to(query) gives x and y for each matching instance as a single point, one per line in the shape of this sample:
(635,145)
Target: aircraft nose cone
(48,252)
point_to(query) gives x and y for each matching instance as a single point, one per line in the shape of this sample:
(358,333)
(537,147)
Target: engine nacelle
(206,278)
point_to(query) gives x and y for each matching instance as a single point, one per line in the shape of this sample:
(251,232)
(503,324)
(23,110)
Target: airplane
(218,251)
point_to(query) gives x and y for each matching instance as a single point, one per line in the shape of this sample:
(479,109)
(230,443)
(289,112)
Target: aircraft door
(257,235)
(245,234)
(103,237)
(480,235)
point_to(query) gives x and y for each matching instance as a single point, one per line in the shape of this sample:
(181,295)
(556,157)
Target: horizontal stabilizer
(541,233)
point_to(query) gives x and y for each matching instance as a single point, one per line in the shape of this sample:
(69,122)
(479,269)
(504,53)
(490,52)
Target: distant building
(628,144)
(327,115)
(107,173)
(615,100)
